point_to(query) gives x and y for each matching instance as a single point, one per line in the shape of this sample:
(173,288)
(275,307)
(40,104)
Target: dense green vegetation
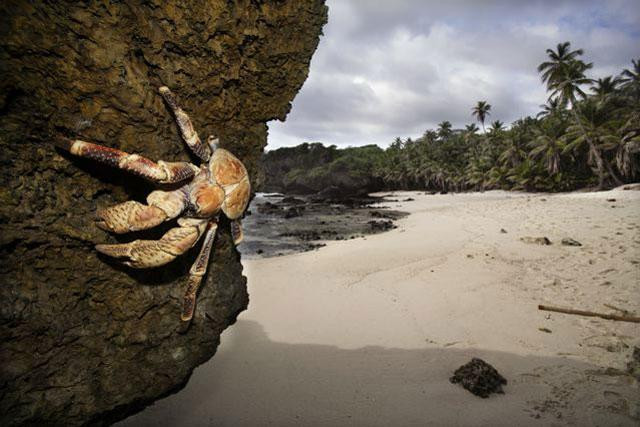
(314,168)
(587,135)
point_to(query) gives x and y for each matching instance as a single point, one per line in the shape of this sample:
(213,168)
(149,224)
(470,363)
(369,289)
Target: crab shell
(224,187)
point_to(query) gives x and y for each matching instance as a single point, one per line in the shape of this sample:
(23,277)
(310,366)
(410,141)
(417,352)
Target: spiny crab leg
(160,172)
(154,253)
(189,135)
(134,216)
(197,272)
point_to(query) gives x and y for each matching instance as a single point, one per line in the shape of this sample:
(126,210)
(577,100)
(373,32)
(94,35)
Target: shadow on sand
(255,381)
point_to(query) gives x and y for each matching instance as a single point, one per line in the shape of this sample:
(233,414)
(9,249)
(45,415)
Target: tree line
(586,135)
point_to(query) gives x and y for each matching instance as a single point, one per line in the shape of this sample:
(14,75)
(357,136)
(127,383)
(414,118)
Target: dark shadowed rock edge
(84,340)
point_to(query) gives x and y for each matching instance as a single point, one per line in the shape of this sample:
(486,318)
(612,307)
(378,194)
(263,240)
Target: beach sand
(368,331)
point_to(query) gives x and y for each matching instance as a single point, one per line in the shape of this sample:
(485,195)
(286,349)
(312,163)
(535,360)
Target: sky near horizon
(387,69)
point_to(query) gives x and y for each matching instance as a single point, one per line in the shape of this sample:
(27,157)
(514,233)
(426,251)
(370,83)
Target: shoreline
(367,331)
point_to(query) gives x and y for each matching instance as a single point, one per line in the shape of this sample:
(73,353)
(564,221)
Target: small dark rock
(408,199)
(611,200)
(567,241)
(503,231)
(293,212)
(479,378)
(268,208)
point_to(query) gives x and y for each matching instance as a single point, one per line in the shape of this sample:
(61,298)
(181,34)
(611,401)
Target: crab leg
(197,272)
(161,172)
(187,130)
(133,216)
(153,253)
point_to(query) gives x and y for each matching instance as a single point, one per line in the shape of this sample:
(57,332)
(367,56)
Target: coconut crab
(219,185)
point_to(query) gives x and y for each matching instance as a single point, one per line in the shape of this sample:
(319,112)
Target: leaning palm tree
(593,130)
(564,76)
(627,146)
(481,111)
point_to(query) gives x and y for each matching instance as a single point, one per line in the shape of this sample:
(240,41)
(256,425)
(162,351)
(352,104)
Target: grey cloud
(395,68)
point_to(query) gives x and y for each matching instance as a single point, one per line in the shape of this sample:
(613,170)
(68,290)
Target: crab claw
(154,253)
(129,216)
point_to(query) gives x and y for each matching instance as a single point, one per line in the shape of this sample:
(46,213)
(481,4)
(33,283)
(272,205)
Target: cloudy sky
(388,68)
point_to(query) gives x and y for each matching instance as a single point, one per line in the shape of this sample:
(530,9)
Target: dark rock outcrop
(85,340)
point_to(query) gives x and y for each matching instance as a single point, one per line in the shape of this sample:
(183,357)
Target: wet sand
(368,331)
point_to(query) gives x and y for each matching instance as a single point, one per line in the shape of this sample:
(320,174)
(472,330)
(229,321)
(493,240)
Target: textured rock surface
(84,339)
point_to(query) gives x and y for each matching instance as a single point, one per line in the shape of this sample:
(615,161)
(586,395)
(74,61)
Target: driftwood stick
(622,310)
(632,319)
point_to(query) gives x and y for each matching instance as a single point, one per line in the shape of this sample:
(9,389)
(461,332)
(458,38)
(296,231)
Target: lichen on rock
(85,340)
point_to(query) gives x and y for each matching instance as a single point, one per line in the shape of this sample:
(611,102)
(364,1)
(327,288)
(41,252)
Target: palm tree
(481,111)
(429,135)
(444,129)
(547,145)
(594,129)
(496,126)
(626,144)
(471,129)
(631,79)
(552,106)
(632,75)
(567,85)
(552,69)
(605,86)
(564,74)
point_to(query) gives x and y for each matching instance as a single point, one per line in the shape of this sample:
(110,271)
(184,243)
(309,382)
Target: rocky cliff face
(85,340)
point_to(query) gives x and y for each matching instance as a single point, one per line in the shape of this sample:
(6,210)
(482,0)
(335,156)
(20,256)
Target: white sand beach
(367,332)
